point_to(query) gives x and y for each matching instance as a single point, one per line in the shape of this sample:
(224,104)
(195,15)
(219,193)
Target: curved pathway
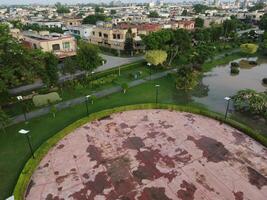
(152,154)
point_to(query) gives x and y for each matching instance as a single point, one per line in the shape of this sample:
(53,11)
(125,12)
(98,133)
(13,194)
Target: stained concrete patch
(152,154)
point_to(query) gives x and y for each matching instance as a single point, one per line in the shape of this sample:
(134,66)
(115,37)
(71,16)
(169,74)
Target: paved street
(112,62)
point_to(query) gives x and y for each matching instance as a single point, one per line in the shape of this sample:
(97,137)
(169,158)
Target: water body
(219,83)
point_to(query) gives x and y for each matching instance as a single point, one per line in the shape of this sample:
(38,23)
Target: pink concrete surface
(152,154)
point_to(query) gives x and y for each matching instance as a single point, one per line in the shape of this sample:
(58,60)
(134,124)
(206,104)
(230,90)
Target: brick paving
(152,154)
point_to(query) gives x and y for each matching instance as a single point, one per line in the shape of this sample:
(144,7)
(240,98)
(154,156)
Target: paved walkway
(79,100)
(152,154)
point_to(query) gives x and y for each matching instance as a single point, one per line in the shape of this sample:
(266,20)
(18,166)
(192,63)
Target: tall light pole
(157,92)
(26,132)
(20,99)
(92,73)
(228,99)
(149,66)
(86,103)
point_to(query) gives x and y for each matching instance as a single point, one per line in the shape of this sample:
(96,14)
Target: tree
(92,19)
(186,78)
(153,14)
(249,48)
(113,12)
(257,6)
(184,13)
(263,22)
(199,8)
(70,66)
(99,10)
(51,68)
(199,22)
(88,57)
(129,42)
(61,8)
(156,57)
(4,120)
(229,26)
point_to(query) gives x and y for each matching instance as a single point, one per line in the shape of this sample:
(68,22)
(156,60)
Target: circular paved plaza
(152,154)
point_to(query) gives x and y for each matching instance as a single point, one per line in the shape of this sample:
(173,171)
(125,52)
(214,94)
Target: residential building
(82,31)
(61,45)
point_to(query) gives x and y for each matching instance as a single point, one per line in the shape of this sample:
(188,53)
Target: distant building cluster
(141,19)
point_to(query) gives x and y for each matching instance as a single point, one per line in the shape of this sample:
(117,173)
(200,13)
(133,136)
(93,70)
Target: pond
(220,83)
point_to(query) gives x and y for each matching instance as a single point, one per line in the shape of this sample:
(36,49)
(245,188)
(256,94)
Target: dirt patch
(133,143)
(60,146)
(95,154)
(154,193)
(31,184)
(255,178)
(188,191)
(201,179)
(239,137)
(51,197)
(213,150)
(239,195)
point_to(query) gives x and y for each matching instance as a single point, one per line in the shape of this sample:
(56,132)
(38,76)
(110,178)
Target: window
(114,36)
(93,33)
(118,36)
(100,34)
(56,47)
(105,35)
(66,45)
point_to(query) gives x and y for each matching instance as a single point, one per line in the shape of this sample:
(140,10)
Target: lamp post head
(157,85)
(92,72)
(149,64)
(19,98)
(23,131)
(88,96)
(227,98)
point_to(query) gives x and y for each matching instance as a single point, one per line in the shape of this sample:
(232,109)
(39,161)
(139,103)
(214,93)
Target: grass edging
(31,164)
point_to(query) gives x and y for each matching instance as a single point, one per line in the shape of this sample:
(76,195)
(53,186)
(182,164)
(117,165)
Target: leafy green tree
(153,14)
(156,57)
(249,48)
(257,6)
(92,19)
(129,42)
(88,57)
(51,68)
(199,22)
(113,12)
(229,26)
(199,8)
(263,22)
(61,8)
(70,66)
(99,10)
(184,13)
(186,78)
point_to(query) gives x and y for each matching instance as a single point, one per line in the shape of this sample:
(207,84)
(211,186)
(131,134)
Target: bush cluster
(105,80)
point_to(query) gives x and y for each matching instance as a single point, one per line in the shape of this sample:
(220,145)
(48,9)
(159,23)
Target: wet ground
(152,154)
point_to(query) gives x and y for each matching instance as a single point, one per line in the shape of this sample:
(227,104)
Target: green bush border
(31,165)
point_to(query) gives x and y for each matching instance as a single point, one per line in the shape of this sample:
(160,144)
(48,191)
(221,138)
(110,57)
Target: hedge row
(32,164)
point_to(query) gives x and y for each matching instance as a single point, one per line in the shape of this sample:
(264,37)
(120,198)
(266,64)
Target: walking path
(79,100)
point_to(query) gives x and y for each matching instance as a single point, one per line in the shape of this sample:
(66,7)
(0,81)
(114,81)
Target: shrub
(105,80)
(234,64)
(264,80)
(124,87)
(45,99)
(252,62)
(234,70)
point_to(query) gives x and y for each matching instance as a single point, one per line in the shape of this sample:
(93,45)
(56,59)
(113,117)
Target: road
(112,62)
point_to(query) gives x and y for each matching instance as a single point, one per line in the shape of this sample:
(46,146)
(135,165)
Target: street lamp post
(149,66)
(157,92)
(92,73)
(25,132)
(227,108)
(86,103)
(20,99)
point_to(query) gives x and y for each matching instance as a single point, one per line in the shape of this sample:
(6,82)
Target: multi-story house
(61,45)
(82,31)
